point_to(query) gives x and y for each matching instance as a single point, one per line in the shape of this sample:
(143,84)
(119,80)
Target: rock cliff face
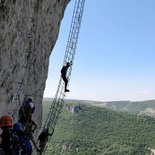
(28,32)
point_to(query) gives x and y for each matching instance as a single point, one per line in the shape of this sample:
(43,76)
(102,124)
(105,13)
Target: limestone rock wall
(28,33)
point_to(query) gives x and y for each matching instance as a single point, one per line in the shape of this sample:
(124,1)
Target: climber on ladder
(63,74)
(43,139)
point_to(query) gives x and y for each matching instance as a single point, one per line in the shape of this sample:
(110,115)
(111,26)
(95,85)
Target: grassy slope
(98,131)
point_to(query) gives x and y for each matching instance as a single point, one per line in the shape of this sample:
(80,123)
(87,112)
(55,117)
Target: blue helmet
(18,127)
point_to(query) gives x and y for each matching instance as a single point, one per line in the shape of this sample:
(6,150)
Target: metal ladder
(58,101)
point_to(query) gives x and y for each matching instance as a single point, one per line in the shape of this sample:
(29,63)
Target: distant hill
(99,131)
(137,107)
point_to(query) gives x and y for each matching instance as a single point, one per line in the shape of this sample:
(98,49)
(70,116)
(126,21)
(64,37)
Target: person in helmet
(64,73)
(24,140)
(10,141)
(26,110)
(25,135)
(25,118)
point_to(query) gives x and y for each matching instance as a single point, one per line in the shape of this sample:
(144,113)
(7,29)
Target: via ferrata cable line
(60,95)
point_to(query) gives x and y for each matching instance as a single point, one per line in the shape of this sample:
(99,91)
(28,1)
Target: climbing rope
(60,95)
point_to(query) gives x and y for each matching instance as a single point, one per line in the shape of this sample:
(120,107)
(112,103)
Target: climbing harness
(60,95)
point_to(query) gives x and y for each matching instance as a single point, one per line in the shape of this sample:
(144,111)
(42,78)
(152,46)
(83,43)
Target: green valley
(96,130)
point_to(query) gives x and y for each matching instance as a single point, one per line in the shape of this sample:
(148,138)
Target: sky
(115,55)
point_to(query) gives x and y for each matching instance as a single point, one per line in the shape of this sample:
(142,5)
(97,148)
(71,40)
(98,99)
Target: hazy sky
(115,56)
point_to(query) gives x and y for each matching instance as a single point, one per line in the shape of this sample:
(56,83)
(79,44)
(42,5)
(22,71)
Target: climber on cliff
(27,109)
(11,142)
(6,123)
(63,74)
